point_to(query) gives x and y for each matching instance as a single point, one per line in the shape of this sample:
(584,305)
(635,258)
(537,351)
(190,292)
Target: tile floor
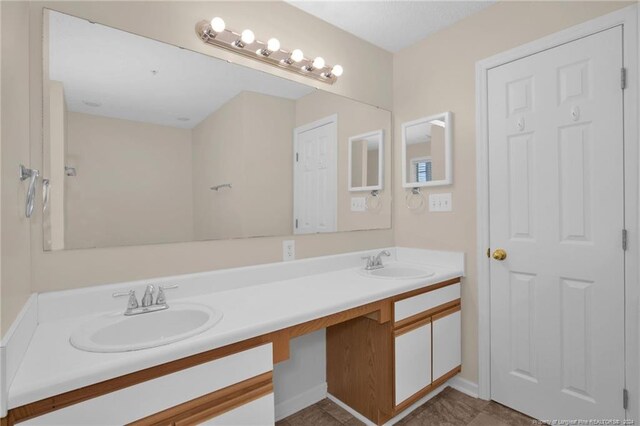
(449,408)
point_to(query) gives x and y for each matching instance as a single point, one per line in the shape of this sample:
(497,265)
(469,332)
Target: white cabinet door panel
(446,344)
(412,362)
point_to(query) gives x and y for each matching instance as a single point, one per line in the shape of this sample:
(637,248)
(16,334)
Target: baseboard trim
(317,393)
(301,401)
(464,386)
(351,411)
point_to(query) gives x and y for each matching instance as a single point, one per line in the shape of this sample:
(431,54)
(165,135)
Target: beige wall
(359,163)
(438,152)
(248,143)
(354,118)
(438,74)
(15,244)
(133,183)
(372,166)
(54,168)
(173,22)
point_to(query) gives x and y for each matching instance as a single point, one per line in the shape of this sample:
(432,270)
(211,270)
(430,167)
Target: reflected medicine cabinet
(366,161)
(427,151)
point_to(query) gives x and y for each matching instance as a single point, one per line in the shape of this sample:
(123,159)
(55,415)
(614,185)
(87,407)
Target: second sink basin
(120,333)
(399,271)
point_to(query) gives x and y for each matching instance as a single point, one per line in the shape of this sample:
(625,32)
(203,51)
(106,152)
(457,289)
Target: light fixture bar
(269,52)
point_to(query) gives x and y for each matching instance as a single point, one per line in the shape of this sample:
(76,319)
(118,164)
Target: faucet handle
(168,287)
(147,299)
(133,301)
(161,299)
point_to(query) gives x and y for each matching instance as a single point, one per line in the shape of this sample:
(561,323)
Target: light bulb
(318,62)
(247,37)
(337,70)
(217,24)
(273,45)
(297,55)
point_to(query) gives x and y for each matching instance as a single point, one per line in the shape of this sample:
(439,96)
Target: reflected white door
(315,177)
(556,206)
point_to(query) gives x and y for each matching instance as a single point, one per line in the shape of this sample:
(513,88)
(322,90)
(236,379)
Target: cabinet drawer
(153,396)
(411,306)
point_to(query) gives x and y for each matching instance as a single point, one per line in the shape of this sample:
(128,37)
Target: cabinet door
(412,360)
(446,343)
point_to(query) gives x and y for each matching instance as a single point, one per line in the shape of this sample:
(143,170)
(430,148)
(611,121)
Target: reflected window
(422,169)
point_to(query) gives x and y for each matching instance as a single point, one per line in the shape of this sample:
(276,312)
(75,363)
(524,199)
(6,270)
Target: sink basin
(119,333)
(399,272)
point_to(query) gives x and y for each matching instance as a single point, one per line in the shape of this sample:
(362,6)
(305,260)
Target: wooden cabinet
(359,366)
(381,358)
(381,368)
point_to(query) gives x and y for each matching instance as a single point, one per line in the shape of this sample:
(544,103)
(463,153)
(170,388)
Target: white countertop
(52,366)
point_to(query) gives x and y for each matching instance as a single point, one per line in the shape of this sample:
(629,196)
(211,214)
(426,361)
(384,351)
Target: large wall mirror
(427,151)
(147,143)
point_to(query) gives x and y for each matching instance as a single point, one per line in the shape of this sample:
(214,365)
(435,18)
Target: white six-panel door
(315,177)
(556,208)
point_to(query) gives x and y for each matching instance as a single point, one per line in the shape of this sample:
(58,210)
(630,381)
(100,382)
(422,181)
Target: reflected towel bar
(224,185)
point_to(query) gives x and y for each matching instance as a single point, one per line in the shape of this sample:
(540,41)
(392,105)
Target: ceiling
(391,24)
(116,74)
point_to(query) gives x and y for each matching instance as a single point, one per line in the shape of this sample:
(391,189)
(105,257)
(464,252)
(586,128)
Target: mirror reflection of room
(150,143)
(425,151)
(366,161)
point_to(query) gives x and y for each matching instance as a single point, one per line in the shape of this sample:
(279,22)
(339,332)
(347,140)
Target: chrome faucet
(147,299)
(133,308)
(375,262)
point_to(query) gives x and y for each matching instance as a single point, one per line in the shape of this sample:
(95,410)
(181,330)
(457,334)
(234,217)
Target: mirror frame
(380,136)
(448,150)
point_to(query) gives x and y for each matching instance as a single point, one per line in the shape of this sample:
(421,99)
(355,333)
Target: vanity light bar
(215,33)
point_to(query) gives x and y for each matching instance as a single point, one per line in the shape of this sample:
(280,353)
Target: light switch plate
(440,202)
(288,250)
(358,204)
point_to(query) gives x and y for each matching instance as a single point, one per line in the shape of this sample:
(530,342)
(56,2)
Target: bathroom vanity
(381,367)
(151,163)
(390,341)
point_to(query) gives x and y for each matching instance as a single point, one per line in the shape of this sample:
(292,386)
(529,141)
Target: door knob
(499,254)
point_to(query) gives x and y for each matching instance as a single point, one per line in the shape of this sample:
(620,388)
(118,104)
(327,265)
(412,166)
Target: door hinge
(623,78)
(624,239)
(625,399)
(297,157)
(296,223)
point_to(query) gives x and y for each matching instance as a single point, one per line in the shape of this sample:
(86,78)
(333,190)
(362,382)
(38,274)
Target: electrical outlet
(440,202)
(288,250)
(358,204)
